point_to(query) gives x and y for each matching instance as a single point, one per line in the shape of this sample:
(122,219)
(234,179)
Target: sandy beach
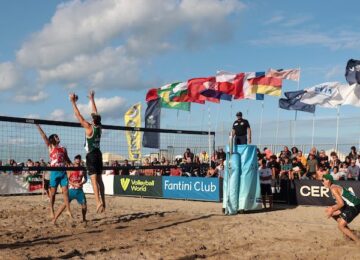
(142,228)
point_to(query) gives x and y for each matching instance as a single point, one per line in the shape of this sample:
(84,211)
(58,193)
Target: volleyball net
(20,140)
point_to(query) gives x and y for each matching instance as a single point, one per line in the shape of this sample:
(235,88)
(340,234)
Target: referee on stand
(241,130)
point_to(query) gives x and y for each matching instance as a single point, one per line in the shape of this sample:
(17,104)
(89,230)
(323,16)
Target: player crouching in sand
(347,206)
(76,180)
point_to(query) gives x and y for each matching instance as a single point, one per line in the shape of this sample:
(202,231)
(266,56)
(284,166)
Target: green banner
(138,186)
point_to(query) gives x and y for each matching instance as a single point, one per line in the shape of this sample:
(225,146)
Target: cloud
(35,97)
(275,19)
(332,40)
(10,76)
(105,69)
(109,108)
(59,115)
(108,44)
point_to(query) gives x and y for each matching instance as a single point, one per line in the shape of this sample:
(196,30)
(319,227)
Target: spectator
(274,166)
(267,153)
(147,172)
(176,171)
(204,157)
(294,151)
(315,152)
(221,169)
(167,171)
(353,154)
(259,154)
(334,160)
(285,168)
(336,174)
(188,154)
(312,167)
(358,161)
(286,152)
(221,154)
(343,170)
(265,183)
(212,172)
(297,169)
(155,162)
(301,158)
(347,161)
(126,170)
(353,171)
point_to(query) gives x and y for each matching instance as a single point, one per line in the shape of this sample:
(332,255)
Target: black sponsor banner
(311,192)
(138,186)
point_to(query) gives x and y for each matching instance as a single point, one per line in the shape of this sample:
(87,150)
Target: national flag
(291,74)
(152,121)
(266,85)
(230,83)
(132,118)
(352,72)
(212,91)
(196,86)
(180,93)
(247,88)
(292,102)
(350,95)
(152,94)
(164,94)
(327,94)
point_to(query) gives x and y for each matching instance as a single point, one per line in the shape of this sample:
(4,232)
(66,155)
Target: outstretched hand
(329,211)
(72,97)
(91,94)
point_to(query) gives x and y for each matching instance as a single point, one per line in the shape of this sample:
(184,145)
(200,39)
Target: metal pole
(313,131)
(337,128)
(261,121)
(277,127)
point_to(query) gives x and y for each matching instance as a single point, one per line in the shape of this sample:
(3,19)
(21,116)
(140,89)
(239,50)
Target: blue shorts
(57,178)
(77,194)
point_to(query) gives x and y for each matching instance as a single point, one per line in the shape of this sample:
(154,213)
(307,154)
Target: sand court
(142,228)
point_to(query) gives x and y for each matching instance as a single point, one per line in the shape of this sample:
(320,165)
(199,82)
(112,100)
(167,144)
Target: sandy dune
(139,228)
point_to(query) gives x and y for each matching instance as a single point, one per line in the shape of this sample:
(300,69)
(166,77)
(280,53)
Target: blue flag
(292,102)
(352,73)
(151,139)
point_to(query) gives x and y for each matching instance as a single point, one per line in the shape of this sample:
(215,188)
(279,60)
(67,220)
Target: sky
(122,48)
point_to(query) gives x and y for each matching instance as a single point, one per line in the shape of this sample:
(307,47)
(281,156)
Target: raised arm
(43,135)
(92,100)
(77,113)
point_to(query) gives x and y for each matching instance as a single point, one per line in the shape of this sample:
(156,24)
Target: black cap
(238,114)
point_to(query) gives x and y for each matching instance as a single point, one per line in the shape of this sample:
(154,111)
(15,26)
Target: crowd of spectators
(293,164)
(288,164)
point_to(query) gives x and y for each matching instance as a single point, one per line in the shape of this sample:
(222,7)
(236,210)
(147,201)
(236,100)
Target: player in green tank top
(347,207)
(92,145)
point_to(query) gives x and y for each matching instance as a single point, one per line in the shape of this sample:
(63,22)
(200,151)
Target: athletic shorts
(58,177)
(94,163)
(78,195)
(265,189)
(348,213)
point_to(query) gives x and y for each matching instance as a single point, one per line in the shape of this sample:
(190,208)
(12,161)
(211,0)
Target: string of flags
(223,86)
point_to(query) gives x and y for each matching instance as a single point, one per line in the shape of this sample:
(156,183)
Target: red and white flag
(290,74)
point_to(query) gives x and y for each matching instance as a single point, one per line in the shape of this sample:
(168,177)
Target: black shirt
(240,127)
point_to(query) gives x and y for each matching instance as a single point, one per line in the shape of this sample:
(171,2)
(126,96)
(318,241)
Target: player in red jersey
(58,158)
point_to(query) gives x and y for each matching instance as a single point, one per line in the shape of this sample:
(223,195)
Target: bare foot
(52,215)
(100,208)
(69,214)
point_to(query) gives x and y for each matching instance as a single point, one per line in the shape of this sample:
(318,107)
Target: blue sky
(123,48)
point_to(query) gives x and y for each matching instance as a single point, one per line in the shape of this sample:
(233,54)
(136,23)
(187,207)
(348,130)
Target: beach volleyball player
(347,206)
(58,158)
(94,163)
